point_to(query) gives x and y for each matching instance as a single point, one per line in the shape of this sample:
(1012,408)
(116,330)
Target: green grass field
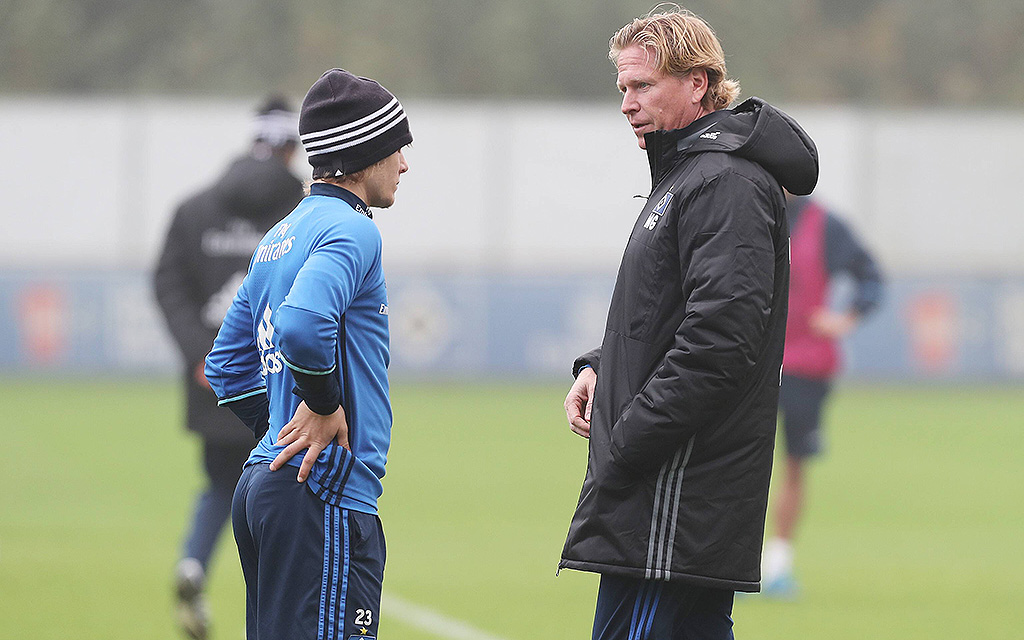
(915,525)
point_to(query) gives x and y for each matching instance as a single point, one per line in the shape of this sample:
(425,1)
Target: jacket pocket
(615,477)
(643,280)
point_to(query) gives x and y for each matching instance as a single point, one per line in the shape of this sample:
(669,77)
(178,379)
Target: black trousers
(223,465)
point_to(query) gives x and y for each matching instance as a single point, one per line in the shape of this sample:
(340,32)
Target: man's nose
(628,103)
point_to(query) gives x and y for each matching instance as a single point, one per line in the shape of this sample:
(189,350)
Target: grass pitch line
(431,621)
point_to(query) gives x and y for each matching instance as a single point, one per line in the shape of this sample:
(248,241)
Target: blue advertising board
(504,325)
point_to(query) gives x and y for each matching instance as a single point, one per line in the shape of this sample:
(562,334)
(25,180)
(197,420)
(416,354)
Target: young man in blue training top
(302,359)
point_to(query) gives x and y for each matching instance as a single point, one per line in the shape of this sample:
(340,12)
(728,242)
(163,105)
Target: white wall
(501,186)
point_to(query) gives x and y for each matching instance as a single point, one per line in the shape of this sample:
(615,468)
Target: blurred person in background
(680,401)
(823,249)
(302,359)
(205,256)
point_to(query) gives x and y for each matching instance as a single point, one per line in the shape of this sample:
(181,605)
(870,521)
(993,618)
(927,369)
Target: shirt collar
(334,191)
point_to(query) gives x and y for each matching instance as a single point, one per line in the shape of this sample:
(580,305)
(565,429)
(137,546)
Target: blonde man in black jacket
(679,403)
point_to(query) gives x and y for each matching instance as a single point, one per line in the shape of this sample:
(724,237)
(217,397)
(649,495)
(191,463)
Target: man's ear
(699,78)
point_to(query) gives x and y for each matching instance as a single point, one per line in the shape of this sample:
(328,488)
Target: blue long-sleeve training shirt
(314,302)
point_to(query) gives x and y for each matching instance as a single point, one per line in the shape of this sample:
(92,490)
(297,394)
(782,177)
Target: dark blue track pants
(313,571)
(634,609)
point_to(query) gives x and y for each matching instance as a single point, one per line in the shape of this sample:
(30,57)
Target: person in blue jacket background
(302,359)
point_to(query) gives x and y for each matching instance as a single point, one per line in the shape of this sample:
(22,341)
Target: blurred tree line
(890,52)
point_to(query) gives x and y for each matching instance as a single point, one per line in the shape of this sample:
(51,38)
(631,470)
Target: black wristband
(322,393)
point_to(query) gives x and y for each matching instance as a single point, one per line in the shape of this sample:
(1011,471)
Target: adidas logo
(711,135)
(265,332)
(272,362)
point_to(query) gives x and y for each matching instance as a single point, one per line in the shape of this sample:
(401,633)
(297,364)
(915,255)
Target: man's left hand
(313,431)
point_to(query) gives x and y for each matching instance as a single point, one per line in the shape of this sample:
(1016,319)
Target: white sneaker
(783,587)
(193,614)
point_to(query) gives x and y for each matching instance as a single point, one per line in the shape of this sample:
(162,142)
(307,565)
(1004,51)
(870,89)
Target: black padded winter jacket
(205,255)
(683,422)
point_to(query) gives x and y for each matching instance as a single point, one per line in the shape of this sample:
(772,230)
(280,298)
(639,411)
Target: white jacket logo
(272,362)
(658,211)
(217,306)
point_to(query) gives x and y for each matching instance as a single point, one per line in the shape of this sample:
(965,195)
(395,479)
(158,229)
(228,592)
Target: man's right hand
(580,400)
(313,431)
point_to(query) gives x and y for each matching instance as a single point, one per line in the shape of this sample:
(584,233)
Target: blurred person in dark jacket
(680,401)
(205,256)
(823,249)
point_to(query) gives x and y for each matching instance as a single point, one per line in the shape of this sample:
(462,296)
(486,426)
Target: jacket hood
(754,130)
(258,189)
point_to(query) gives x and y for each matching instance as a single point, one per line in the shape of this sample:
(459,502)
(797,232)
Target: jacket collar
(666,148)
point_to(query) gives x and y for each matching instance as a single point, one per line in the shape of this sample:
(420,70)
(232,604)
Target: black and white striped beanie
(348,123)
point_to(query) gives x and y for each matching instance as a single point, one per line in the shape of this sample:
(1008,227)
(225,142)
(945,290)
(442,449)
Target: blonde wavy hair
(680,41)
